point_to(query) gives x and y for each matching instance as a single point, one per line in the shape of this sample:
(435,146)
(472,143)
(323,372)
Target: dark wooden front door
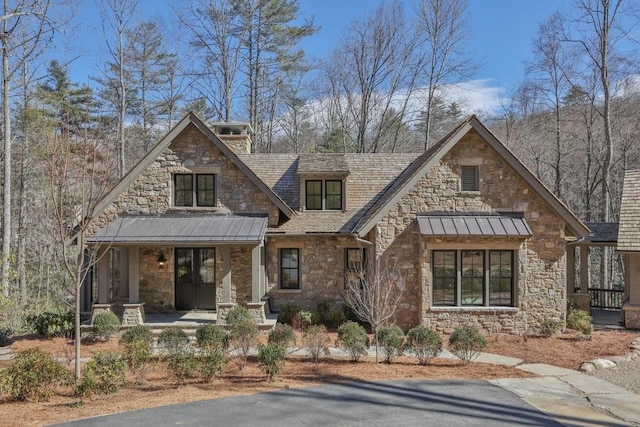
(195,278)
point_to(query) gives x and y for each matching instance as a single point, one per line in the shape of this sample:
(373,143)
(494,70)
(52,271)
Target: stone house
(202,223)
(629,246)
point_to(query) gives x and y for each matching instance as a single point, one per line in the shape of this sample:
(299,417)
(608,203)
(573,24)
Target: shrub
(211,337)
(287,312)
(103,374)
(390,339)
(315,341)
(105,325)
(321,315)
(301,320)
(211,363)
(271,359)
(5,333)
(135,334)
(337,316)
(137,356)
(182,366)
(580,320)
(282,335)
(173,340)
(33,376)
(242,334)
(353,339)
(548,327)
(52,324)
(466,343)
(425,343)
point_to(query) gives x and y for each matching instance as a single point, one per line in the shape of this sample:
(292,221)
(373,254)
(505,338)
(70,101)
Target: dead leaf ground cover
(159,389)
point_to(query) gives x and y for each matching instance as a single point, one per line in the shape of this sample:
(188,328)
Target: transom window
(469,178)
(289,268)
(194,190)
(473,278)
(323,194)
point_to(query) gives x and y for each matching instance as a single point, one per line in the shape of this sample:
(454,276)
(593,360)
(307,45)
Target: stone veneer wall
(321,269)
(541,282)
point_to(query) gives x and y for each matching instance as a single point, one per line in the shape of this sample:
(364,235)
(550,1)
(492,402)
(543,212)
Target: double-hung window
(289,268)
(194,190)
(323,194)
(473,278)
(354,264)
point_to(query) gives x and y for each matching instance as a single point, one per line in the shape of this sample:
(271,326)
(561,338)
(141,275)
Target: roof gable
(412,175)
(164,142)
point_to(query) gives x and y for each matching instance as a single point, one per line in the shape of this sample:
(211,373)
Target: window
(200,188)
(323,195)
(289,269)
(473,278)
(354,261)
(469,180)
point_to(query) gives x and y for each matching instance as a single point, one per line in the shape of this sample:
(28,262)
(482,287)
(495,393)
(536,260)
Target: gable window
(354,261)
(194,190)
(472,278)
(469,178)
(324,194)
(289,268)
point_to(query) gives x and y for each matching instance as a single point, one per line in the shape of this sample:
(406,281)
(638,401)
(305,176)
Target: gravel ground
(625,375)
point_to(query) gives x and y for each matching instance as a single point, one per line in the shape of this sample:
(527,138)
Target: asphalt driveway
(400,403)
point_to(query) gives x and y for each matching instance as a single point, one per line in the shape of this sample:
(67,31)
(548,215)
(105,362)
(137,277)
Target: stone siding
(540,288)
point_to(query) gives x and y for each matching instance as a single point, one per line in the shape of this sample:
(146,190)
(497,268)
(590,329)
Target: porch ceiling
(446,224)
(183,229)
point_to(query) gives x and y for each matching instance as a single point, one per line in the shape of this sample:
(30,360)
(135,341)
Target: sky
(501,34)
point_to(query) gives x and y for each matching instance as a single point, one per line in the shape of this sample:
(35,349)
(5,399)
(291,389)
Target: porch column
(226,275)
(584,269)
(256,295)
(133,274)
(123,289)
(103,278)
(571,269)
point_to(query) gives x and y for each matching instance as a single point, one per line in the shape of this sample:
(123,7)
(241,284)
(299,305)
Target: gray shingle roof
(335,163)
(602,232)
(629,223)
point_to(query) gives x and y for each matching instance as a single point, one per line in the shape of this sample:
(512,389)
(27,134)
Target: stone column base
(222,311)
(99,308)
(257,312)
(133,314)
(631,316)
(581,300)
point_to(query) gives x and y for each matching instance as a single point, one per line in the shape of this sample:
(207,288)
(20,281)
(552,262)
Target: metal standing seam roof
(473,225)
(190,229)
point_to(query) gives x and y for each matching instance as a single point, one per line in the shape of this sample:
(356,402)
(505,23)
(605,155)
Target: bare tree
(374,293)
(445,31)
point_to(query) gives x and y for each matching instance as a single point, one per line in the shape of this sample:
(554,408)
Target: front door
(195,278)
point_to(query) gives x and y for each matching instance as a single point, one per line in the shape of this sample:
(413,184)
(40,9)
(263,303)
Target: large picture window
(289,269)
(473,278)
(194,190)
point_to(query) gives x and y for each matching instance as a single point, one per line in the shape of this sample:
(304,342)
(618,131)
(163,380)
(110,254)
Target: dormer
(235,135)
(323,182)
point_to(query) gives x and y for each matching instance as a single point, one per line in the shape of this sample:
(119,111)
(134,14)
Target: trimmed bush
(105,325)
(211,337)
(549,327)
(104,374)
(353,339)
(282,335)
(321,314)
(182,366)
(424,342)
(390,339)
(466,343)
(287,312)
(271,359)
(337,317)
(52,324)
(137,356)
(315,341)
(33,375)
(211,363)
(135,334)
(173,340)
(242,334)
(581,321)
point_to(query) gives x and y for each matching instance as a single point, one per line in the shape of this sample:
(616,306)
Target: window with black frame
(354,263)
(191,190)
(289,268)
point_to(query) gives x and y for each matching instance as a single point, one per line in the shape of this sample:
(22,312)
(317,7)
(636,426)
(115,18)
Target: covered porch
(169,264)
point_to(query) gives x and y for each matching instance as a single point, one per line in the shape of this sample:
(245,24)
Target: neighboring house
(201,223)
(629,246)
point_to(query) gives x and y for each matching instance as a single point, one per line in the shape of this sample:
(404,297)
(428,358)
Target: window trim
(465,179)
(307,194)
(195,191)
(281,269)
(486,274)
(324,194)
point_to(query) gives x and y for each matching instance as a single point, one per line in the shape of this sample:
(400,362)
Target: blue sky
(501,30)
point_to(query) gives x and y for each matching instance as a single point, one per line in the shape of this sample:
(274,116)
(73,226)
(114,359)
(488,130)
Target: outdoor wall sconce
(161,260)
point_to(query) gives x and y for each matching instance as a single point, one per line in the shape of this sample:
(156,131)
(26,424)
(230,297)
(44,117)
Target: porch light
(161,260)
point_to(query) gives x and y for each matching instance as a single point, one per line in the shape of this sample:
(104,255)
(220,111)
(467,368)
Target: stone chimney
(235,135)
